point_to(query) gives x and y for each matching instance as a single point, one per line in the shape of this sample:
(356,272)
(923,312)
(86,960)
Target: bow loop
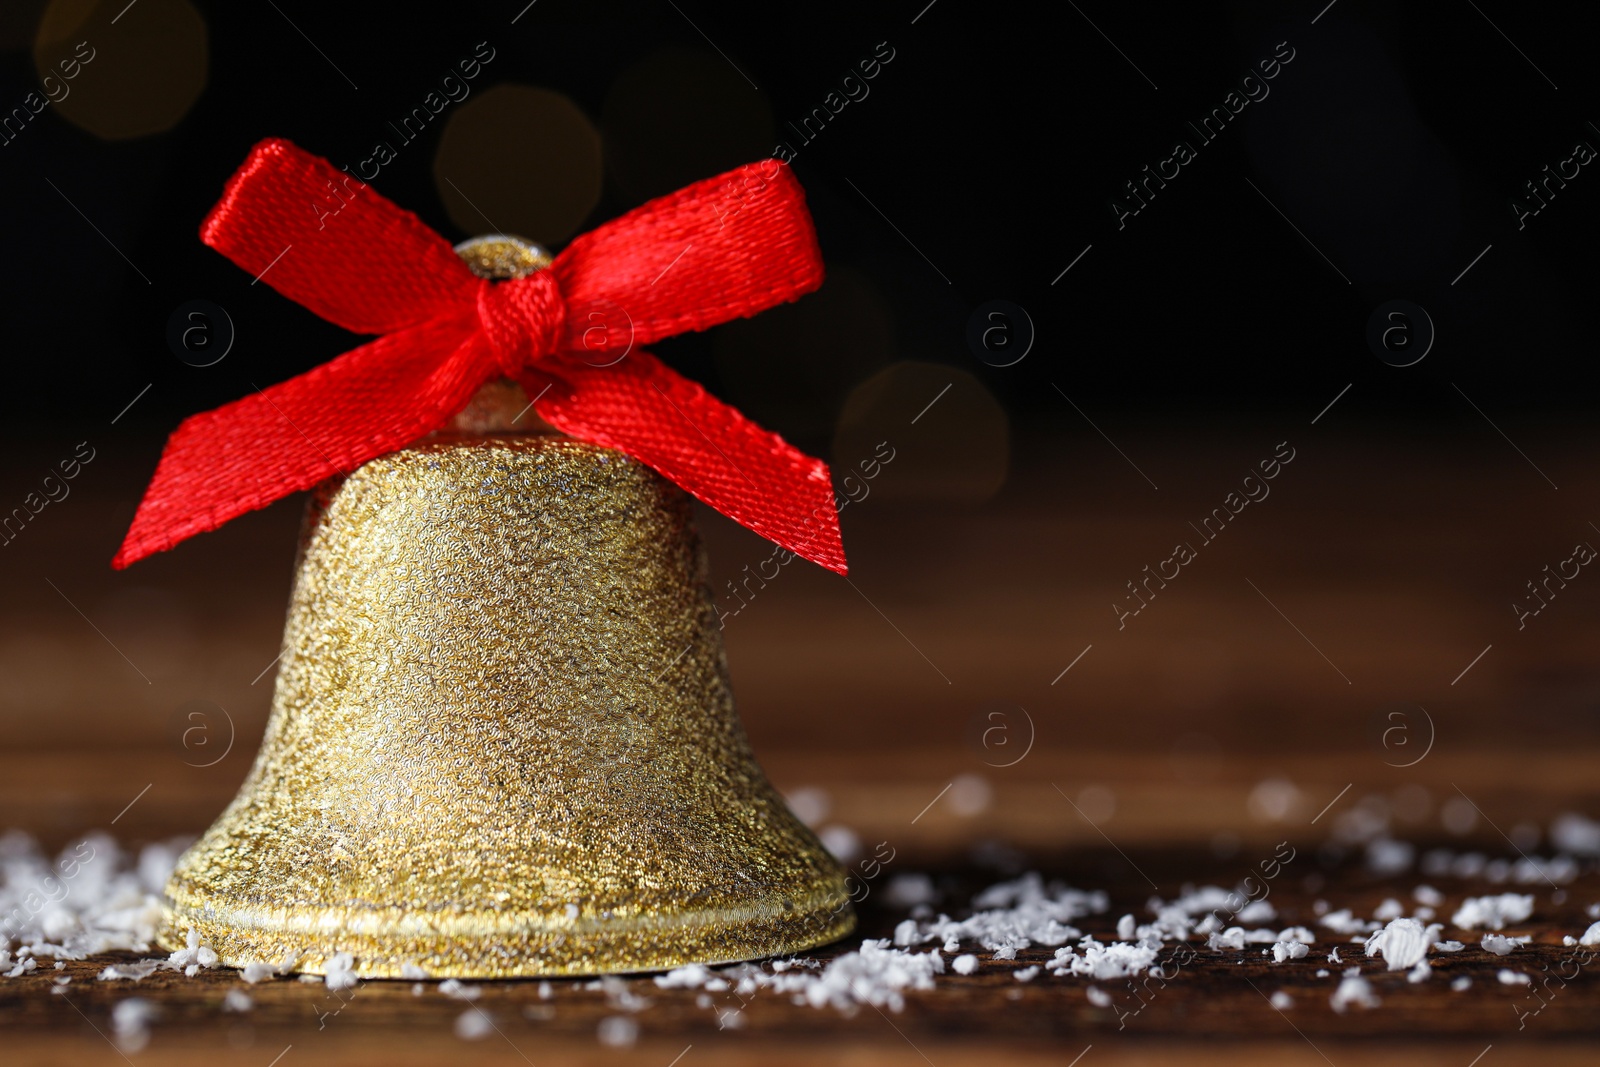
(524,320)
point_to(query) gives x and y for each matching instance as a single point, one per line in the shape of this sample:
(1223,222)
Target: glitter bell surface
(503,741)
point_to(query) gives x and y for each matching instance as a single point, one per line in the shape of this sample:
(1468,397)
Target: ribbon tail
(328,421)
(645,409)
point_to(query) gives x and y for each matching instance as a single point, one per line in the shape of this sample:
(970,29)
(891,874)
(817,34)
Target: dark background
(1394,140)
(1222,319)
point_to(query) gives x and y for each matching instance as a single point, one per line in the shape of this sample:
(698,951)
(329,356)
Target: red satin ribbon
(720,249)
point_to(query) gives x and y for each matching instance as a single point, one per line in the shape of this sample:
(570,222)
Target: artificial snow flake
(1353,989)
(1493,912)
(341,973)
(1403,943)
(1289,950)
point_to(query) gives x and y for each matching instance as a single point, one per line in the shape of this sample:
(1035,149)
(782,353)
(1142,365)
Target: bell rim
(704,936)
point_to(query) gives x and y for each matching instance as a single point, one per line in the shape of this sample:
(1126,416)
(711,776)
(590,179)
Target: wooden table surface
(1219,999)
(1365,588)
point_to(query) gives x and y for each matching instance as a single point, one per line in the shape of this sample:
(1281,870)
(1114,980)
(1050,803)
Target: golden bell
(503,741)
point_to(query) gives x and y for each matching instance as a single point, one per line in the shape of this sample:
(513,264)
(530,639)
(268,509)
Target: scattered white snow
(876,974)
(843,842)
(1574,833)
(1403,943)
(136,971)
(474,1024)
(1289,950)
(618,1031)
(909,890)
(340,971)
(1353,989)
(689,976)
(193,957)
(810,804)
(1386,856)
(1493,912)
(1502,946)
(1257,911)
(1343,922)
(1009,916)
(256,972)
(92,897)
(130,1021)
(1116,960)
(458,990)
(970,794)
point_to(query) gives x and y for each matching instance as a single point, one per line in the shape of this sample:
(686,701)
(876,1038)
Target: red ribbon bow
(719,249)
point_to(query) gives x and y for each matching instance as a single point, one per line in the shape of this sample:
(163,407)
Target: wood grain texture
(1399,559)
(1219,996)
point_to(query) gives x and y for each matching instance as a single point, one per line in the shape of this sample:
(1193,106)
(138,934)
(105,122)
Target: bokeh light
(18,20)
(519,160)
(137,77)
(679,116)
(958,449)
(789,367)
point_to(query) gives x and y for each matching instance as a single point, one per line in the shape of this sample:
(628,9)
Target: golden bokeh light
(121,71)
(678,116)
(956,451)
(18,19)
(789,367)
(519,160)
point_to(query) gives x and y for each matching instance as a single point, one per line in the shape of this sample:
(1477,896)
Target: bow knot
(524,320)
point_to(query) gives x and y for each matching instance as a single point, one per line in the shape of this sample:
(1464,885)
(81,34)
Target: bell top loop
(501,406)
(501,256)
